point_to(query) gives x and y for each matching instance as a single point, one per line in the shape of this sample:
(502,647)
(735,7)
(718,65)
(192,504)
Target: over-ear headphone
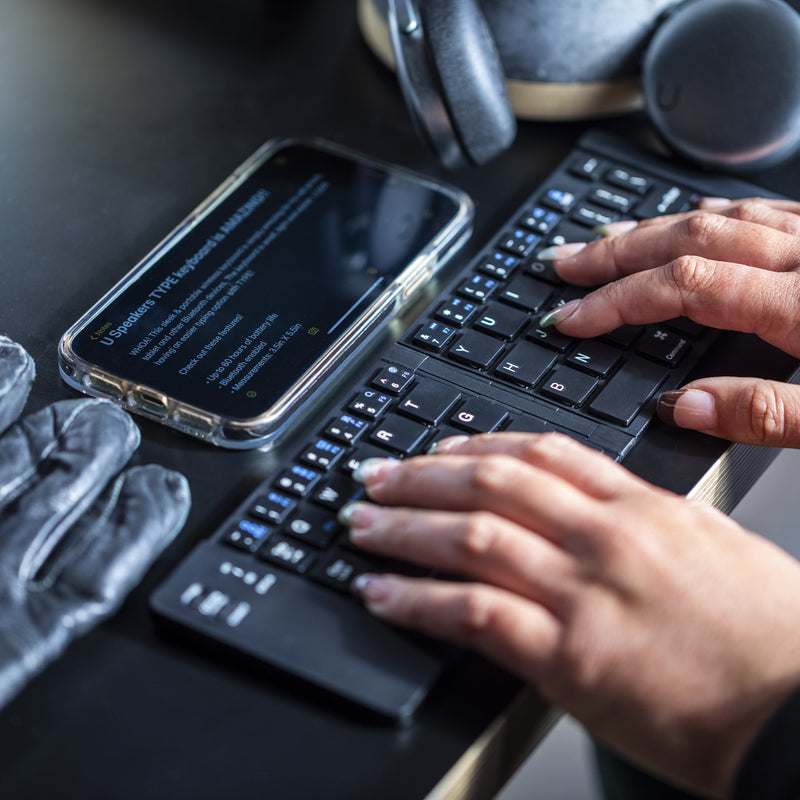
(720,79)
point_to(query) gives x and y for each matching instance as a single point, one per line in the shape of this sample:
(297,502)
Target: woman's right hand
(729,265)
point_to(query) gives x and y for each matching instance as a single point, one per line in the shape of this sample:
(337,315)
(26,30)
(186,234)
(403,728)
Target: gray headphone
(720,78)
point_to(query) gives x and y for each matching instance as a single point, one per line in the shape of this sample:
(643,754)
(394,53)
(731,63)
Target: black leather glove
(75,536)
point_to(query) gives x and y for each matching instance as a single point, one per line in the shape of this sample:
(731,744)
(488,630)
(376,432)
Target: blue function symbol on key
(247,534)
(540,220)
(560,199)
(298,480)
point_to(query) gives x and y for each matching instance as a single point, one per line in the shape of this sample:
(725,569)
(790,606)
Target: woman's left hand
(661,624)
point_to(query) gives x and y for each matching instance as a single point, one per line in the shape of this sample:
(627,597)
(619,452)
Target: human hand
(75,537)
(668,630)
(730,265)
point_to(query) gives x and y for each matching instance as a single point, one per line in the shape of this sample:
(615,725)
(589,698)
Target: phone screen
(231,314)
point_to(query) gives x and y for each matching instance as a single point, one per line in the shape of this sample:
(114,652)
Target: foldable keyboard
(273,582)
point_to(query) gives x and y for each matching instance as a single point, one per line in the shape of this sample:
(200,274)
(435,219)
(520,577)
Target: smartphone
(231,325)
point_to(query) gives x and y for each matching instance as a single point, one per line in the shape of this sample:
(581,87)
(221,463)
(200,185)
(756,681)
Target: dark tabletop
(116,118)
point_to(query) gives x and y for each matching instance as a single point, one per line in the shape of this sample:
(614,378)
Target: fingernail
(357,514)
(444,445)
(374,469)
(713,202)
(560,251)
(374,590)
(688,408)
(615,228)
(559,314)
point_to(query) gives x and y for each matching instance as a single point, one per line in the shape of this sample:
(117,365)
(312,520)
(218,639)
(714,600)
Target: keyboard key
(588,167)
(477,415)
(569,232)
(559,199)
(273,507)
(360,454)
(550,337)
(569,386)
(346,428)
(322,454)
(338,569)
(525,424)
(393,379)
(499,265)
(246,535)
(525,363)
(399,434)
(624,336)
(313,525)
(591,217)
(519,241)
(338,490)
(297,480)
(476,349)
(370,403)
(429,402)
(621,398)
(663,346)
(286,553)
(540,220)
(543,271)
(616,201)
(567,294)
(527,293)
(457,311)
(434,335)
(446,431)
(611,440)
(501,321)
(594,357)
(213,604)
(624,179)
(663,199)
(479,288)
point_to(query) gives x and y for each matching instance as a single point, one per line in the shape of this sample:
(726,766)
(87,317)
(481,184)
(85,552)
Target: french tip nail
(372,589)
(362,472)
(615,228)
(559,314)
(557,251)
(549,319)
(712,202)
(548,254)
(345,513)
(443,445)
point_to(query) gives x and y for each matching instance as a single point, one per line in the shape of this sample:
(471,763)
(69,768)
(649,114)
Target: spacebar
(628,391)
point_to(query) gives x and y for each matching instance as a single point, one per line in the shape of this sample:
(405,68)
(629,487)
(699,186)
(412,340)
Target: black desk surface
(116,118)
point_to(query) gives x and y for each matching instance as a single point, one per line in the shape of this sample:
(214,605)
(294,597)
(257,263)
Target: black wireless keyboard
(274,581)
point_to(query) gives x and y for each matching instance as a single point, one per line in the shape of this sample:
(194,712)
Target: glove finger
(52,466)
(16,376)
(90,572)
(114,543)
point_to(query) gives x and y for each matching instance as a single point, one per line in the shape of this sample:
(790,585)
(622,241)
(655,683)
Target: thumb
(746,410)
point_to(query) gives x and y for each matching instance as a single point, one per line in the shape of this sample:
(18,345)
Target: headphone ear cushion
(470,76)
(722,81)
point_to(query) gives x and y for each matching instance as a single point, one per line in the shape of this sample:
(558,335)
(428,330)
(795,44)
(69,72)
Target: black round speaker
(722,81)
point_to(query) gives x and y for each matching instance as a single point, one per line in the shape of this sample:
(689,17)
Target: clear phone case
(177,408)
